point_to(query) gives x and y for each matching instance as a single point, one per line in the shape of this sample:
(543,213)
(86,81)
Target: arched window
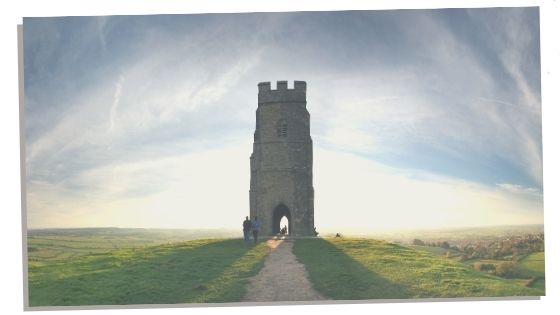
(282,128)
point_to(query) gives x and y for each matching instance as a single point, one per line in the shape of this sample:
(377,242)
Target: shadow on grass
(201,271)
(340,277)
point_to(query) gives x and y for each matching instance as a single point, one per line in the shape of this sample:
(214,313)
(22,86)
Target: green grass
(437,251)
(354,269)
(529,270)
(532,266)
(183,272)
(119,266)
(539,284)
(75,242)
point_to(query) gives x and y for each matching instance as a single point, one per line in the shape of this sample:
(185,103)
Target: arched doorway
(281,211)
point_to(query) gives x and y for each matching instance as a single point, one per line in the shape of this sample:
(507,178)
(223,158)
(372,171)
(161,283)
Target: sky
(419,118)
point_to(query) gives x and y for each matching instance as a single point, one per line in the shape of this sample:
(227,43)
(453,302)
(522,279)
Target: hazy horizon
(330,230)
(419,118)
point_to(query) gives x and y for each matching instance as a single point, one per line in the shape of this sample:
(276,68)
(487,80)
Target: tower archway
(280,212)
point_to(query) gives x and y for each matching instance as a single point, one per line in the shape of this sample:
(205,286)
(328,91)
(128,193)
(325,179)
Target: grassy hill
(83,271)
(436,251)
(353,269)
(49,245)
(114,266)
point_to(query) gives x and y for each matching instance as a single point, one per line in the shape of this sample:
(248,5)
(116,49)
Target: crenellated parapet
(282,94)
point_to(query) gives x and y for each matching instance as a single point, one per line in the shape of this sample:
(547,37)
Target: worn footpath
(282,278)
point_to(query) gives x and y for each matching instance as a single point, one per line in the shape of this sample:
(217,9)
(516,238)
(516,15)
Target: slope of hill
(110,267)
(74,271)
(354,269)
(532,266)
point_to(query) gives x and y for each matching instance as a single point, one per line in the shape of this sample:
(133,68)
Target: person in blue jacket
(255,227)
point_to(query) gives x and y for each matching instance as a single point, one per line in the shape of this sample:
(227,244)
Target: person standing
(255,227)
(246,229)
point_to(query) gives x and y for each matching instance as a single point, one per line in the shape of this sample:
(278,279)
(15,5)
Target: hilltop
(111,267)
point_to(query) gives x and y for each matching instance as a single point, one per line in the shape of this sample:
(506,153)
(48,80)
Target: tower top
(282,94)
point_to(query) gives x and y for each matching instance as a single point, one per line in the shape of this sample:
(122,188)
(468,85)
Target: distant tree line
(500,248)
(502,269)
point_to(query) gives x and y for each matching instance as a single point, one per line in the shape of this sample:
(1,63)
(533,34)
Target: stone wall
(282,163)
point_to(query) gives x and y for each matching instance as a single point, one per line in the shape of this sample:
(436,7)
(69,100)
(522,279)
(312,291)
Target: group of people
(253,226)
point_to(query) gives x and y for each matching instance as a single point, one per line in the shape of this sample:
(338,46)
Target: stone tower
(282,160)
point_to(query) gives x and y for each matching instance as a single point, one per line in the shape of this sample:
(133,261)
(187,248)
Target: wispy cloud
(179,191)
(440,91)
(116,100)
(175,191)
(117,108)
(375,196)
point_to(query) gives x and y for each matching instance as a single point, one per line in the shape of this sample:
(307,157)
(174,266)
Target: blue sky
(143,120)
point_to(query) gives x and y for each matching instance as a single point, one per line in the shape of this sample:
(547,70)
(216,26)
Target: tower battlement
(282,94)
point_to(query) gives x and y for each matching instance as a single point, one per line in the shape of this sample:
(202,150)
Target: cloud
(437,99)
(101,23)
(517,48)
(202,189)
(116,100)
(353,192)
(519,189)
(165,99)
(210,189)
(116,105)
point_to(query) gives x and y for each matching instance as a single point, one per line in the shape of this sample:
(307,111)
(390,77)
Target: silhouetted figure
(338,235)
(246,229)
(284,230)
(255,227)
(315,231)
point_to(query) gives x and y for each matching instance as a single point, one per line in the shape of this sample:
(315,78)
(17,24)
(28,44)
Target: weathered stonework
(282,160)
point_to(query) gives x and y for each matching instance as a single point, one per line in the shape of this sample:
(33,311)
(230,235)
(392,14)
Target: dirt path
(282,278)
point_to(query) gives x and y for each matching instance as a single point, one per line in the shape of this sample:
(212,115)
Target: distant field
(532,266)
(370,269)
(90,270)
(61,244)
(111,238)
(434,250)
(449,234)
